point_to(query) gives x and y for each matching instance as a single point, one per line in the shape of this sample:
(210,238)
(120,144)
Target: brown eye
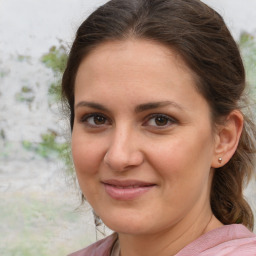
(161,121)
(95,120)
(99,120)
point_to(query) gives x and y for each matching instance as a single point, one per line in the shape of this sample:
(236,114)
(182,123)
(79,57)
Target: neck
(170,241)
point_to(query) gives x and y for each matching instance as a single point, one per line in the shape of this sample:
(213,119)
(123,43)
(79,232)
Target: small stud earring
(220,160)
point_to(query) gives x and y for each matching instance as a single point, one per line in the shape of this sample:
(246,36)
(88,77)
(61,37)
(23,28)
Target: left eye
(95,120)
(160,121)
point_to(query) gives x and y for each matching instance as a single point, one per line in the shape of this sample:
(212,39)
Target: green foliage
(54,91)
(247,44)
(48,147)
(25,95)
(2,134)
(246,39)
(27,145)
(22,58)
(26,89)
(56,60)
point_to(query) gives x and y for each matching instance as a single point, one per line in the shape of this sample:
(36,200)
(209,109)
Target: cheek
(183,156)
(86,156)
(87,159)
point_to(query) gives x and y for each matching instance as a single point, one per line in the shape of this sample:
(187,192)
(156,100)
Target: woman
(160,144)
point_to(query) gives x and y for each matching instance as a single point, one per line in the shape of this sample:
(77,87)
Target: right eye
(95,120)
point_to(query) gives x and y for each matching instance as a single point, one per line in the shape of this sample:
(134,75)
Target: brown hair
(200,36)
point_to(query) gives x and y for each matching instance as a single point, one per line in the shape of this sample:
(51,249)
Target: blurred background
(39,200)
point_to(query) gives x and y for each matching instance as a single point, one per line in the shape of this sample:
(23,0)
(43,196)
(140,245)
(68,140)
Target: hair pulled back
(199,35)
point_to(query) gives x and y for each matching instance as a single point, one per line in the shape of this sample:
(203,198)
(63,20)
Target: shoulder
(239,241)
(100,248)
(229,240)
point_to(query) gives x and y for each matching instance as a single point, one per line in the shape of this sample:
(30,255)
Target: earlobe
(227,138)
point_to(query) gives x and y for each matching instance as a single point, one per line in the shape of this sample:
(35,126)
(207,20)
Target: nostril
(123,160)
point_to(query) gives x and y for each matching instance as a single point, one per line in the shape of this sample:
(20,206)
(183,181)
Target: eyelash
(168,119)
(85,118)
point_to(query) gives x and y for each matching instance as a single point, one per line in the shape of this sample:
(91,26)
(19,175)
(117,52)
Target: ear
(227,138)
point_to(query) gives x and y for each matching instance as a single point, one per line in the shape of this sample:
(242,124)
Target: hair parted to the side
(199,35)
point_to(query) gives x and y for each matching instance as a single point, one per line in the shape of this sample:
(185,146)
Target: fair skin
(144,147)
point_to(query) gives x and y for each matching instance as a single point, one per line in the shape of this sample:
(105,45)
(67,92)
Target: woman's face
(142,139)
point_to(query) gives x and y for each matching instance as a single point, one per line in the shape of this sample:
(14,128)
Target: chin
(126,225)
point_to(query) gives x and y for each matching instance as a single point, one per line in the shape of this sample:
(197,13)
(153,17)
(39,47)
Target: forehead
(134,50)
(142,69)
(135,55)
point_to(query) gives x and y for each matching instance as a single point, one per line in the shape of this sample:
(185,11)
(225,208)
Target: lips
(126,189)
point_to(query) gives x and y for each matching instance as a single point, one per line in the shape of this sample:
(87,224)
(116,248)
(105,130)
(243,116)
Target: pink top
(229,240)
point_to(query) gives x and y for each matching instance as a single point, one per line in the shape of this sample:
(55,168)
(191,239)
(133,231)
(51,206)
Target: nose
(124,151)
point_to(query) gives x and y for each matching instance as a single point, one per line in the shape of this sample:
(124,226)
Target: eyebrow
(154,105)
(91,105)
(138,109)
